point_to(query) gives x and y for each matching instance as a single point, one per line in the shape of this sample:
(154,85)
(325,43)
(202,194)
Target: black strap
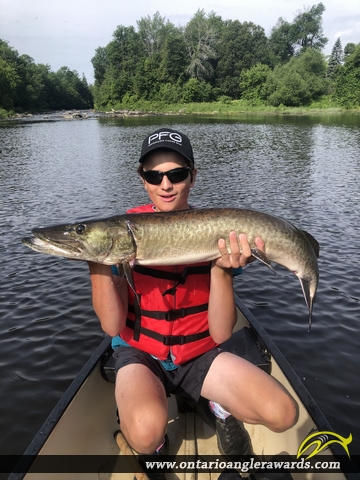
(171,315)
(153,272)
(179,278)
(169,340)
(137,310)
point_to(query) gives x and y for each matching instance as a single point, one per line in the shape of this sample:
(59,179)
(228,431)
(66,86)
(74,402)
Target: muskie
(177,238)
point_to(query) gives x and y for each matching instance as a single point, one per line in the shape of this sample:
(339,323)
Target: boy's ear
(193,177)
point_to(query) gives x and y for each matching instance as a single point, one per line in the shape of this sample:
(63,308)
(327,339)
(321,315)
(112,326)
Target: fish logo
(322,441)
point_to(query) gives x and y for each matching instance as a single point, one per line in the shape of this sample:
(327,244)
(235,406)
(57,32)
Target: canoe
(84,421)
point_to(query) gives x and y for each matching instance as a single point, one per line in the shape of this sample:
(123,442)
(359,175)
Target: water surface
(305,169)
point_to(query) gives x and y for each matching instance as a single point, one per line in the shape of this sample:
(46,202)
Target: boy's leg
(143,407)
(248,393)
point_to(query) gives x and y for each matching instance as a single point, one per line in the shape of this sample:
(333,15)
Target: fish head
(100,241)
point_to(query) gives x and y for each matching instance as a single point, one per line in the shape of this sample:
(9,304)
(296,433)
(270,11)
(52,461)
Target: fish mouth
(41,244)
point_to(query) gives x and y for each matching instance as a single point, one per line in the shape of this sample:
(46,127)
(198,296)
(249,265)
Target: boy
(170,342)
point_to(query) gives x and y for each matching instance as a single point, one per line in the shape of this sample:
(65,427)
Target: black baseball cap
(168,139)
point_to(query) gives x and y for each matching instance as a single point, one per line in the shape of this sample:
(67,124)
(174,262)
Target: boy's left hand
(239,256)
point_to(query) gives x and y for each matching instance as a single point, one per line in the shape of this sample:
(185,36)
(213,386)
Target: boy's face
(168,197)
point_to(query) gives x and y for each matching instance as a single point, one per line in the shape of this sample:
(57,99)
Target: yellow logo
(322,441)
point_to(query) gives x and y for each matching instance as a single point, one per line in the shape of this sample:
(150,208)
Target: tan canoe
(84,422)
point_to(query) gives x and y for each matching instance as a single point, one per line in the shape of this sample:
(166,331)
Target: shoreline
(191,110)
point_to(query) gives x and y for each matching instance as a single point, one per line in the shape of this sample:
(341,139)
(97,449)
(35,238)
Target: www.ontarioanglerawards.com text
(250,465)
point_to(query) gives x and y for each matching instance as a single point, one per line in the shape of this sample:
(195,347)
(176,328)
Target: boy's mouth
(167,198)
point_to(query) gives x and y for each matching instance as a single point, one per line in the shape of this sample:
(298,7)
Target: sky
(67,32)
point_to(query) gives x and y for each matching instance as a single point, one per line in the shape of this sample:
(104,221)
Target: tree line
(209,59)
(27,86)
(214,59)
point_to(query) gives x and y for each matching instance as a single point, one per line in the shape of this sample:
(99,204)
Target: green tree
(115,66)
(33,88)
(335,59)
(197,91)
(9,80)
(9,77)
(281,41)
(174,59)
(347,85)
(169,93)
(289,39)
(298,82)
(242,45)
(67,89)
(252,83)
(349,49)
(99,62)
(153,32)
(308,29)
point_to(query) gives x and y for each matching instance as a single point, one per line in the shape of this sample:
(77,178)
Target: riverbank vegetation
(31,87)
(209,65)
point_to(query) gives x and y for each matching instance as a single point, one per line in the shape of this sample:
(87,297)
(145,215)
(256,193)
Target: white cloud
(344,33)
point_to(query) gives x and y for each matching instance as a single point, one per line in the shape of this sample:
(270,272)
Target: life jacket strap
(171,315)
(170,340)
(179,278)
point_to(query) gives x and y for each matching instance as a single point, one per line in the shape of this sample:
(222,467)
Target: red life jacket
(172,317)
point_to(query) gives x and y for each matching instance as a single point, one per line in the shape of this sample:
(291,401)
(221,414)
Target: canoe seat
(244,342)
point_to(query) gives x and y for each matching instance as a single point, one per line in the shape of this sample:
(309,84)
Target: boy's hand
(239,255)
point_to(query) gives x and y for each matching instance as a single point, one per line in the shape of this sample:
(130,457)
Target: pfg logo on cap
(164,136)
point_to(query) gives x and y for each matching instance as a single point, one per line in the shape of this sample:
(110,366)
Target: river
(305,169)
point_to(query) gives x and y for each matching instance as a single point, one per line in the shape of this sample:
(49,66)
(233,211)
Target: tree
(68,90)
(308,29)
(289,39)
(200,39)
(242,45)
(281,41)
(298,82)
(153,33)
(174,59)
(335,59)
(252,83)
(9,77)
(116,66)
(347,86)
(196,91)
(9,80)
(349,49)
(99,62)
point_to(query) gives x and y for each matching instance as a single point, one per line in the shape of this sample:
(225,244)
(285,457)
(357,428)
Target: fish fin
(130,279)
(314,243)
(259,255)
(305,285)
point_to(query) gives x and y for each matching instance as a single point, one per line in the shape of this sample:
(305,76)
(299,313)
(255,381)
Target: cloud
(343,33)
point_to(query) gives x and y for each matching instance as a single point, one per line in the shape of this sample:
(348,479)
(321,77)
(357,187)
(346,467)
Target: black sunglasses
(177,175)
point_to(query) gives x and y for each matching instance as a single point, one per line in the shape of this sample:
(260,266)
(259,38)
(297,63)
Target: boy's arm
(110,298)
(222,310)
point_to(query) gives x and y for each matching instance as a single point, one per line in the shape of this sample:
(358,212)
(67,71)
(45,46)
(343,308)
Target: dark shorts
(187,380)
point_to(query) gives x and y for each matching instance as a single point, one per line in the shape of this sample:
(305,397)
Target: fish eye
(80,228)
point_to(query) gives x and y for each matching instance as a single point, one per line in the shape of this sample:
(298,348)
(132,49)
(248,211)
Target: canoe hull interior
(85,420)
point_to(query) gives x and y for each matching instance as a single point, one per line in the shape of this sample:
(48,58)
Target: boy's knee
(284,416)
(144,436)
